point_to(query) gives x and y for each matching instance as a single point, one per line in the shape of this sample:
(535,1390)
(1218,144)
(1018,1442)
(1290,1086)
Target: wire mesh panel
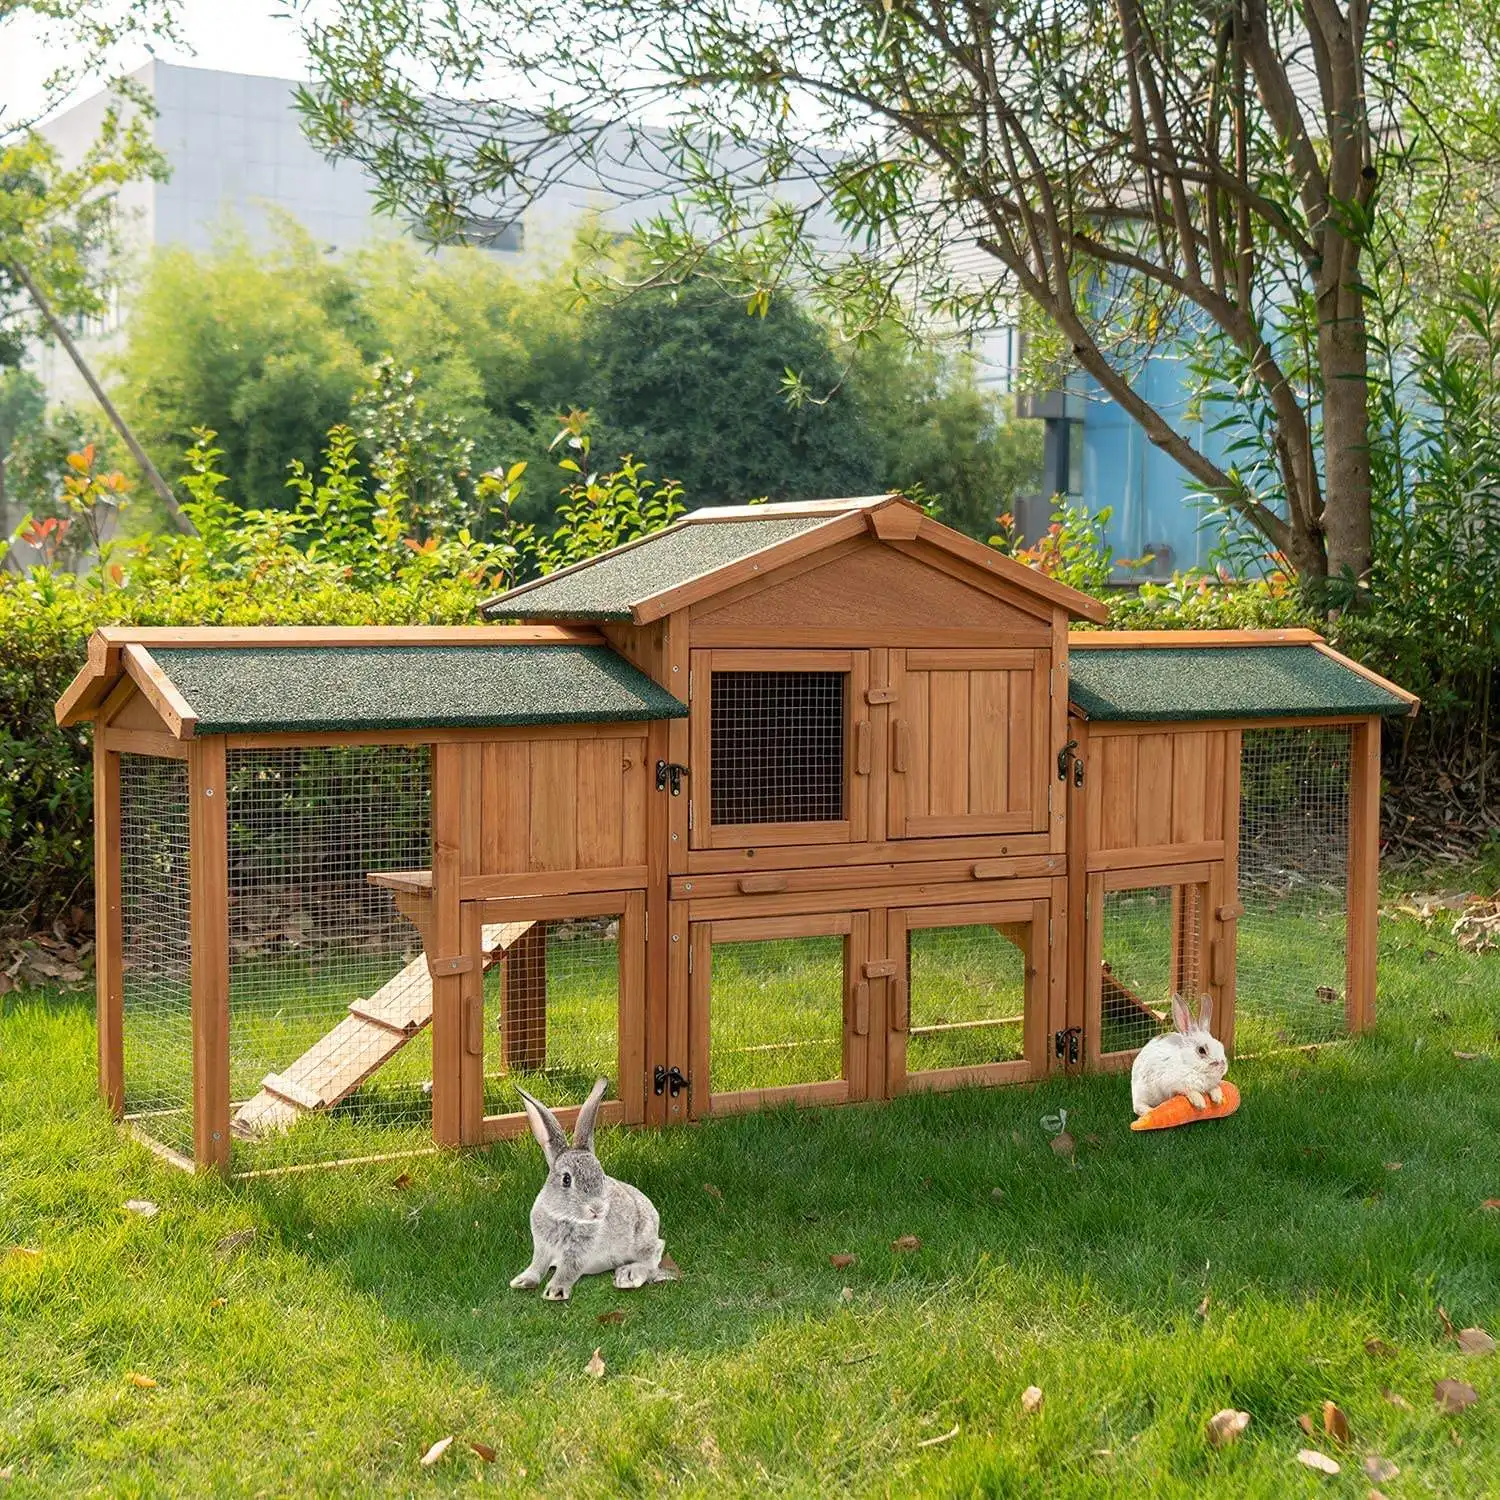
(157,1033)
(777,747)
(967,988)
(1294,885)
(552,1010)
(1151,945)
(329,1047)
(776,1013)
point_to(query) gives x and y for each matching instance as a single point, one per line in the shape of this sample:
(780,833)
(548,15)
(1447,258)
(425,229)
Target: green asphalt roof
(1220,682)
(238,689)
(606,587)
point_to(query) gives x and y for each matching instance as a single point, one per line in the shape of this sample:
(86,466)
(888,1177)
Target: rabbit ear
(1205,1012)
(583,1131)
(1181,1015)
(549,1134)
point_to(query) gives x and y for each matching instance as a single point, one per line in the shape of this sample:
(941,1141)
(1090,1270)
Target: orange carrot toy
(1177,1111)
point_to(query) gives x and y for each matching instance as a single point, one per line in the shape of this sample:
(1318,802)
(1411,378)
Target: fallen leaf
(484,1450)
(1394,1398)
(1312,1459)
(1447,1322)
(1225,1427)
(1491,1204)
(1380,1469)
(8,1472)
(1031,1399)
(595,1366)
(615,1315)
(142,1206)
(216,1303)
(24,1252)
(1467,1056)
(1454,1438)
(1203,1306)
(1305,1422)
(906,1242)
(1335,1423)
(1453,1395)
(942,1437)
(670,1266)
(232,1242)
(1379,1349)
(1016,1138)
(1475,1341)
(1394,1166)
(434,1453)
(401,1181)
(145,1382)
(842,1262)
(997,1193)
(846,1294)
(713,1192)
(1064,1144)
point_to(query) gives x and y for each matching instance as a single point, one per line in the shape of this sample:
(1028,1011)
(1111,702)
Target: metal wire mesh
(1294,883)
(968,996)
(157,1034)
(330,999)
(776,1013)
(1152,943)
(777,747)
(552,1009)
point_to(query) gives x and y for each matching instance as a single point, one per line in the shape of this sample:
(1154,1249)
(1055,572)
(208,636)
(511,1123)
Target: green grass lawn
(364,1319)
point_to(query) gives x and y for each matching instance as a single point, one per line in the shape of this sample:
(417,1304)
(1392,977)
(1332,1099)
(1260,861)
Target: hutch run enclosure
(787,803)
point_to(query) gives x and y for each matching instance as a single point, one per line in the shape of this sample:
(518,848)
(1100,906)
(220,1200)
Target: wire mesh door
(775,1016)
(780,748)
(156,946)
(1147,940)
(563,1005)
(969,995)
(1294,853)
(330,1053)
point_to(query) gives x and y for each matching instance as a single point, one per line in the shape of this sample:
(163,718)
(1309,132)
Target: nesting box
(807,804)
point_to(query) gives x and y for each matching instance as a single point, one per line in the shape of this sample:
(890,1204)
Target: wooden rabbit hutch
(783,804)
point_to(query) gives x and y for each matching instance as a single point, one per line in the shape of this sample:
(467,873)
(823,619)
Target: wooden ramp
(368,1037)
(1120,1004)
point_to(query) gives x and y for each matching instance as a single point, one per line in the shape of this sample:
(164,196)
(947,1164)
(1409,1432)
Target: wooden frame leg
(208,825)
(1364,874)
(109,938)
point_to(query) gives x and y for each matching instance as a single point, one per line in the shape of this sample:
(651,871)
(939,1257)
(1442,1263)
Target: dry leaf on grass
(1225,1427)
(142,1206)
(434,1453)
(713,1192)
(942,1437)
(1305,1422)
(670,1266)
(1335,1423)
(1447,1322)
(846,1294)
(401,1181)
(1453,1395)
(841,1262)
(1475,1341)
(595,1366)
(1394,1398)
(232,1242)
(1064,1144)
(23,1252)
(1492,1205)
(615,1315)
(1380,1469)
(906,1242)
(217,1302)
(484,1450)
(1031,1399)
(1379,1349)
(1394,1166)
(145,1382)
(1312,1459)
(1203,1306)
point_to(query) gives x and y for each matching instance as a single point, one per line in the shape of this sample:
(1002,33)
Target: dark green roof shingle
(606,587)
(1220,682)
(238,689)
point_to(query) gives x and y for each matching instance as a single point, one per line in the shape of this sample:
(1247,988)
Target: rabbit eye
(567,1177)
(1202,1050)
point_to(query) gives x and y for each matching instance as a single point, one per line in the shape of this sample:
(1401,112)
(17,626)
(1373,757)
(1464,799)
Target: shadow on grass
(1353,1174)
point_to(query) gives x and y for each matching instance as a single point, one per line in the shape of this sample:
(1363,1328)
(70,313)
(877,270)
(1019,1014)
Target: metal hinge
(1064,1042)
(669,1078)
(690,958)
(669,772)
(690,814)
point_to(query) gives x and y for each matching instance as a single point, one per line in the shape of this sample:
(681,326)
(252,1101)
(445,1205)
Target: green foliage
(1073,551)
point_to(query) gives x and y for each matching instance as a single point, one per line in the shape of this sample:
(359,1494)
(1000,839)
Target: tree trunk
(1342,356)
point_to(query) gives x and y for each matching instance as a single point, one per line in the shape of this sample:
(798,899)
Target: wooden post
(208,830)
(109,955)
(1364,874)
(446,944)
(523,1002)
(1229,894)
(1071,925)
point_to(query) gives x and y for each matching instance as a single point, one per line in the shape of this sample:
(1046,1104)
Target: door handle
(900,1004)
(900,745)
(861,1009)
(863,737)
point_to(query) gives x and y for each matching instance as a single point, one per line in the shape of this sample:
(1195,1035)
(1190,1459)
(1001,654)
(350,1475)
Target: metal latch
(1067,1042)
(671,1078)
(1063,757)
(670,771)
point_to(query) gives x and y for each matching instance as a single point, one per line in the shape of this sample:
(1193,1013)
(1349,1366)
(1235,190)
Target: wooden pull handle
(861,1009)
(900,1004)
(878,968)
(1219,960)
(863,747)
(762,885)
(900,745)
(474,1026)
(992,869)
(1233,912)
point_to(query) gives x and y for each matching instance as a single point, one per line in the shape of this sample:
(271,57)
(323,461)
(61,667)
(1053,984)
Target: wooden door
(969,742)
(780,748)
(969,995)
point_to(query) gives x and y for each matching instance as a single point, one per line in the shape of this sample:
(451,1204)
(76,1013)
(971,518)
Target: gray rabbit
(583,1222)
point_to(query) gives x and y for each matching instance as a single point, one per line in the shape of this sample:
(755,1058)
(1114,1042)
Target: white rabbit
(1187,1061)
(584,1222)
